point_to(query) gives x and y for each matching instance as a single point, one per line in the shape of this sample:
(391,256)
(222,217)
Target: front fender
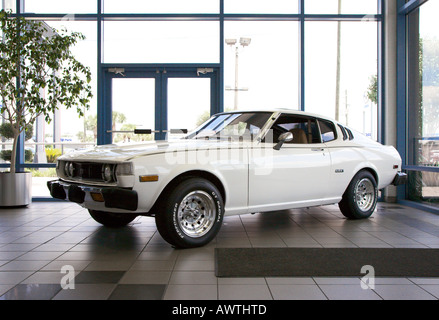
(230,169)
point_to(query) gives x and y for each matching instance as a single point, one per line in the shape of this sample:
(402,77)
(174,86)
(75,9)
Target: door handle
(317,149)
(135,131)
(176,131)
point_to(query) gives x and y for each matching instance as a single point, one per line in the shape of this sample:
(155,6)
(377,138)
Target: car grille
(82,171)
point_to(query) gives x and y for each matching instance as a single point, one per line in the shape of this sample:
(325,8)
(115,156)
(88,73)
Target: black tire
(191,215)
(360,198)
(112,219)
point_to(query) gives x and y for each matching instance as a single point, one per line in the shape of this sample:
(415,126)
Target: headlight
(124,169)
(108,173)
(66,169)
(69,169)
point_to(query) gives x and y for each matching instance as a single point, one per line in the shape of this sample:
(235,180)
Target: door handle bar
(149,131)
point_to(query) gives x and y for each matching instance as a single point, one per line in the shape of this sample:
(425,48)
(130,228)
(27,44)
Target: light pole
(337,77)
(244,42)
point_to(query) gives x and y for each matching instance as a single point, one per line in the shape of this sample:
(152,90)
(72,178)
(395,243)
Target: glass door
(133,107)
(188,104)
(160,103)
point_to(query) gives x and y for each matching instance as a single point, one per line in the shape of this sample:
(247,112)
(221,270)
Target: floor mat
(326,262)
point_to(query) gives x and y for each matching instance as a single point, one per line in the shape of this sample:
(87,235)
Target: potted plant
(38,73)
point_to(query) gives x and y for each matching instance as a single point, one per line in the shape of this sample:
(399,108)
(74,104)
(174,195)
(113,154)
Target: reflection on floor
(49,246)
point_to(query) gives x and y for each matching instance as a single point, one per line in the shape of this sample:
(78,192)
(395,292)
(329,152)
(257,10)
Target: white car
(235,163)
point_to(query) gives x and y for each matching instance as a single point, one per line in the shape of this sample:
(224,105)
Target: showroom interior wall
(333,57)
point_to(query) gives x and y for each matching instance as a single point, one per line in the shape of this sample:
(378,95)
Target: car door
(297,174)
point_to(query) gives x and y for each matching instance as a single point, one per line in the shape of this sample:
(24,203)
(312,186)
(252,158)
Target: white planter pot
(15,189)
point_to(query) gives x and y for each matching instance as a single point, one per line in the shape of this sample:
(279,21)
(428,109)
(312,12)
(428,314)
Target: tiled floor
(50,246)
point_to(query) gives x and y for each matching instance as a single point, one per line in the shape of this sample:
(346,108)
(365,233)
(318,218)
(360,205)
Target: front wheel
(360,198)
(192,214)
(112,219)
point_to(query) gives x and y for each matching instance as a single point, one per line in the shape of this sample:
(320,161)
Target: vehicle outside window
(327,130)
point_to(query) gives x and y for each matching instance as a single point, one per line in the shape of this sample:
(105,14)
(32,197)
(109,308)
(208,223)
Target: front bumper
(110,197)
(400,178)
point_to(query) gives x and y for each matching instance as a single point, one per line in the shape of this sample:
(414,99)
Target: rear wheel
(192,214)
(360,198)
(112,219)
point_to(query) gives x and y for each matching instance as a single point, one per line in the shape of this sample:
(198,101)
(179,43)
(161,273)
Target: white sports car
(235,163)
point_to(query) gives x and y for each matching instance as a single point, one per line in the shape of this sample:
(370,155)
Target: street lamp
(244,42)
(231,42)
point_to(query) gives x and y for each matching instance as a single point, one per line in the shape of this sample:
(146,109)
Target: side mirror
(284,137)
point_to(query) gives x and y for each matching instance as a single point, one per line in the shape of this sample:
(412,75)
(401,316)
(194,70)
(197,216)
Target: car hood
(126,152)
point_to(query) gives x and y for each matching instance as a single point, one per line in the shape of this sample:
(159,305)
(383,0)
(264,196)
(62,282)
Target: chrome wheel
(365,194)
(196,214)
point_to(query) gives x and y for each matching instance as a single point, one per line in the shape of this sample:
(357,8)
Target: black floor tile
(99,277)
(138,292)
(32,292)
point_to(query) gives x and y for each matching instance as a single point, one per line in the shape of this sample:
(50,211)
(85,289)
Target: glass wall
(8,5)
(56,6)
(423,103)
(162,6)
(261,6)
(341,6)
(261,68)
(160,41)
(314,55)
(67,131)
(340,69)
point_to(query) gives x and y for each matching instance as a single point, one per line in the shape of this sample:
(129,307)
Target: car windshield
(243,126)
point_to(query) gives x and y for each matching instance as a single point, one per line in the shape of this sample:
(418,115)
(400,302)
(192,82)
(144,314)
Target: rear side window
(327,131)
(351,136)
(343,131)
